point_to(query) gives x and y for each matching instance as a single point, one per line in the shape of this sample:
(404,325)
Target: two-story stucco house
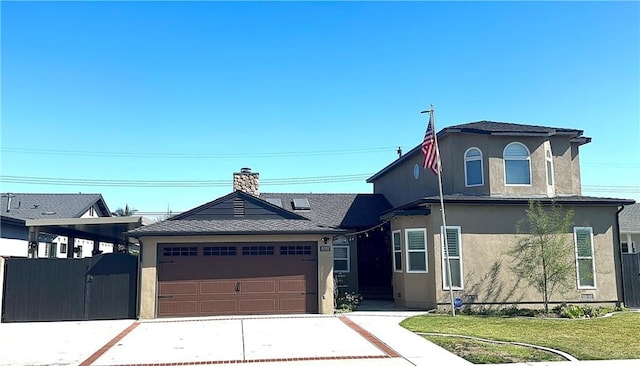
(490,172)
(251,252)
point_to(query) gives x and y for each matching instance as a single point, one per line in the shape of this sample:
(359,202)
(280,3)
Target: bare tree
(543,256)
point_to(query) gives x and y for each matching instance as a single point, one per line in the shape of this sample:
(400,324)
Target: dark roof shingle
(235,226)
(328,213)
(344,210)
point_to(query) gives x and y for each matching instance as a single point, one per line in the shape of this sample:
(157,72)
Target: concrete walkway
(55,343)
(361,338)
(366,337)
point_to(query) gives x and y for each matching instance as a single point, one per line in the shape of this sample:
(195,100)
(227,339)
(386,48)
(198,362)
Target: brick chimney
(246,182)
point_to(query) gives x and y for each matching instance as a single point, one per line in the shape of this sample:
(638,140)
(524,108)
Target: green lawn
(485,352)
(615,337)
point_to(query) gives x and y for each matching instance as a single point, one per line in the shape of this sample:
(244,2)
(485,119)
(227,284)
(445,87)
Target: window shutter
(452,243)
(340,252)
(583,242)
(416,240)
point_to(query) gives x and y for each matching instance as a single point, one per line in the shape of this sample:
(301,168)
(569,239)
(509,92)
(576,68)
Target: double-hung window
(585,263)
(397,251)
(416,244)
(341,259)
(451,255)
(517,164)
(473,167)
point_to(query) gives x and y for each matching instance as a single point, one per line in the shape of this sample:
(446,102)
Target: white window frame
(348,259)
(549,167)
(504,164)
(396,251)
(466,159)
(408,251)
(592,257)
(458,257)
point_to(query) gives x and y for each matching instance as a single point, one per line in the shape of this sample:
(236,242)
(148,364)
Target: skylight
(301,204)
(275,201)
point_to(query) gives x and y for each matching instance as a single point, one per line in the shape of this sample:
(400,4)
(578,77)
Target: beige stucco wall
(399,185)
(414,290)
(487,234)
(149,278)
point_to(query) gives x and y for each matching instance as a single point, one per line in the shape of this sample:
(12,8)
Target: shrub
(348,301)
(585,311)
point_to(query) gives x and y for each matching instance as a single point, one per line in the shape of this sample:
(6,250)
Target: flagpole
(444,221)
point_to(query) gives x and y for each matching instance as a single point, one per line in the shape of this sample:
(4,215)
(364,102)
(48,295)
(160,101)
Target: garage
(237,278)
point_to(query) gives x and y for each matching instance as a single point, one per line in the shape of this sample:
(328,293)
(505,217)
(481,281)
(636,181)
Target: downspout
(620,253)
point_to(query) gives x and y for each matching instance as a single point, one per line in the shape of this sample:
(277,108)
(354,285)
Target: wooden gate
(52,289)
(631,279)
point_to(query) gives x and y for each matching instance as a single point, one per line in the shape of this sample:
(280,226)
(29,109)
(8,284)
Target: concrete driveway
(361,338)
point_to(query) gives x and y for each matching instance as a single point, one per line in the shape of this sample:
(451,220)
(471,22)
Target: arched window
(473,175)
(517,164)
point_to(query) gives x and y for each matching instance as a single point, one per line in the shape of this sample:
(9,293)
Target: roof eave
(247,232)
(510,201)
(12,220)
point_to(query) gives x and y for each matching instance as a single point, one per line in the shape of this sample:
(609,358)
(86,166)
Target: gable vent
(238,207)
(301,204)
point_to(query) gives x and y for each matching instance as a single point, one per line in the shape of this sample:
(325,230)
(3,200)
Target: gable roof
(49,205)
(630,219)
(329,213)
(493,129)
(202,209)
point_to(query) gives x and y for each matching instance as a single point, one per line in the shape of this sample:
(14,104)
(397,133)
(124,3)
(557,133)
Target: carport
(97,229)
(52,289)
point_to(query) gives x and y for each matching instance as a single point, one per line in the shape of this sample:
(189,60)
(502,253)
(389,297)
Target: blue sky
(105,93)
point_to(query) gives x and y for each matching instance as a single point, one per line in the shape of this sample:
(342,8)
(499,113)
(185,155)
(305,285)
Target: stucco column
(148,279)
(325,276)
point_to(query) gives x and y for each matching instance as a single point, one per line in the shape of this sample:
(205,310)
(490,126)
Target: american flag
(430,150)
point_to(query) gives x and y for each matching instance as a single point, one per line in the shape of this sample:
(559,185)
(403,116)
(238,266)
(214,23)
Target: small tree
(543,257)
(126,211)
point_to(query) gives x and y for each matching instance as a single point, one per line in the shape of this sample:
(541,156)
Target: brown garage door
(237,278)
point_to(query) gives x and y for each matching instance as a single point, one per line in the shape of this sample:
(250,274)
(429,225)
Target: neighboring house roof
(494,129)
(49,205)
(630,219)
(328,213)
(504,200)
